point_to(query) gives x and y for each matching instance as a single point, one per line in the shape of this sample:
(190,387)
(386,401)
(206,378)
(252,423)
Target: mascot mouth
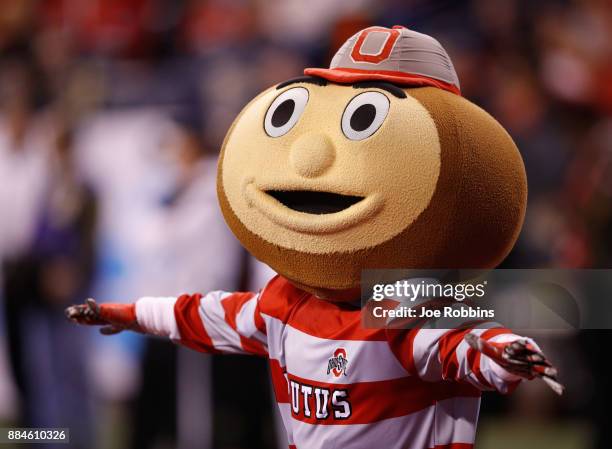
(312,202)
(310,211)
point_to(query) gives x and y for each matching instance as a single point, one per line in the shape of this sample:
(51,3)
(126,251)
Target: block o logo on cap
(374,45)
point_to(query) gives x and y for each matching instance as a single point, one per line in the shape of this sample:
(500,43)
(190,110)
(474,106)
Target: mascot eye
(364,114)
(285,111)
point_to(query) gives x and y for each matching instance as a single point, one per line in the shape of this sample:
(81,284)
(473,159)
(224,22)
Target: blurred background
(111,115)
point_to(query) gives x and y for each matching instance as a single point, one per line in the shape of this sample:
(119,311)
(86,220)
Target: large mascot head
(376,162)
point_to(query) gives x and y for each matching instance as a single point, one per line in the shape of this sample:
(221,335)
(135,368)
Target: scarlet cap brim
(349,76)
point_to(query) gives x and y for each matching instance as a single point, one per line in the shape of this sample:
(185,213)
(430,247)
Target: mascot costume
(376,162)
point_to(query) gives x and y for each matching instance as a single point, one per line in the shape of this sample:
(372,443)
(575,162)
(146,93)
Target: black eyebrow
(391,88)
(303,79)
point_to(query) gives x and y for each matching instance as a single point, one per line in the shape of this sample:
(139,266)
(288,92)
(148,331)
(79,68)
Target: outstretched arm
(485,354)
(215,322)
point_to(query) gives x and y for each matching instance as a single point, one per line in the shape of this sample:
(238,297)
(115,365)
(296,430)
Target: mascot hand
(113,317)
(519,357)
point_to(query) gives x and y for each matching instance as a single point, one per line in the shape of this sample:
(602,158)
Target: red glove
(518,357)
(113,317)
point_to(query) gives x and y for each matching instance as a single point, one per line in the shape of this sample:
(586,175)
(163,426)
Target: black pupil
(283,113)
(363,117)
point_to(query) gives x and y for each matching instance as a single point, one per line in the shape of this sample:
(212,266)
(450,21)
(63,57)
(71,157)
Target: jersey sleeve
(218,322)
(443,354)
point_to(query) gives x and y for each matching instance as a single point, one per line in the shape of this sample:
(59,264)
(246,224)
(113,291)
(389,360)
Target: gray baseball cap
(397,55)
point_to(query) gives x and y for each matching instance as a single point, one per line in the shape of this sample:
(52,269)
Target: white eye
(364,114)
(285,111)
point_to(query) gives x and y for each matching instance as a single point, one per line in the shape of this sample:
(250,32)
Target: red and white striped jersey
(338,384)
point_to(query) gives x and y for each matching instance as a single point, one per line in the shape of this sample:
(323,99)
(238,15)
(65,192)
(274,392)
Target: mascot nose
(311,155)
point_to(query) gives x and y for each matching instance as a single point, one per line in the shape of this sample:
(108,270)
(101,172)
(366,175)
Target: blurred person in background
(55,269)
(23,170)
(120,152)
(188,236)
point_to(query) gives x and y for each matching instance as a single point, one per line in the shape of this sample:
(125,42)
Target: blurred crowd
(111,116)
